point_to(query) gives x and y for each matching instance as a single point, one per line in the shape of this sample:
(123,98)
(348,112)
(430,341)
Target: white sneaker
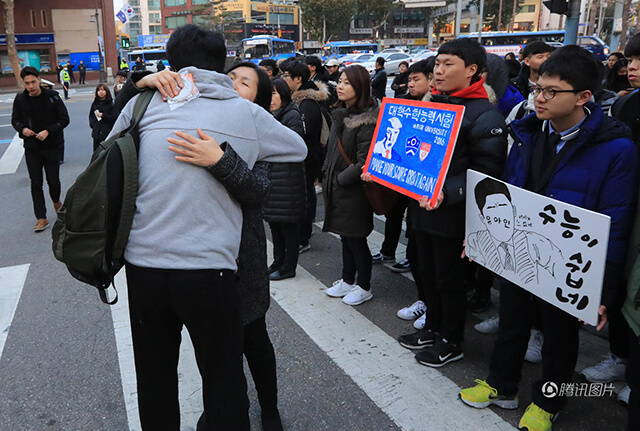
(623,395)
(607,371)
(357,296)
(534,348)
(339,289)
(420,321)
(489,326)
(413,311)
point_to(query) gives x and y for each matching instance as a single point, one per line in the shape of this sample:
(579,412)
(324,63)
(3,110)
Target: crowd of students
(255,145)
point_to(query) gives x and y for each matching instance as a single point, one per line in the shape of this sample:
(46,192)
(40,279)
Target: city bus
(342,48)
(502,42)
(150,57)
(258,48)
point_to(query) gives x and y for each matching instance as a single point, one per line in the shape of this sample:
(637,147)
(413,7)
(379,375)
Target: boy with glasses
(573,153)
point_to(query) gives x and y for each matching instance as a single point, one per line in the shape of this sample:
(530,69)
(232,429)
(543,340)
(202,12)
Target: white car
(391,63)
(390,50)
(424,55)
(356,58)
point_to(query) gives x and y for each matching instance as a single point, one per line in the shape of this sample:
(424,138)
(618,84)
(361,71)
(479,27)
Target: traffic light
(124,41)
(557,6)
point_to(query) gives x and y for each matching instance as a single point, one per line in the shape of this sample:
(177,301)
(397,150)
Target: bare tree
(626,13)
(10,26)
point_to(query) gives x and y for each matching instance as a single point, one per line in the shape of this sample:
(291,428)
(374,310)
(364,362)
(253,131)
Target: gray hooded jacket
(185,218)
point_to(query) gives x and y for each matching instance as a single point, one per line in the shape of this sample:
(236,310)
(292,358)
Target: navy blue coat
(600,173)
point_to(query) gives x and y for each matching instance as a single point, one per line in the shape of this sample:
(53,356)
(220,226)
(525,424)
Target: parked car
(390,50)
(392,62)
(356,58)
(424,55)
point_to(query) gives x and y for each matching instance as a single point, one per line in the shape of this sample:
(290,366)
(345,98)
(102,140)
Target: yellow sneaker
(482,395)
(536,419)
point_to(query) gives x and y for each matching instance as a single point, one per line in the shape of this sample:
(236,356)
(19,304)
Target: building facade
(49,32)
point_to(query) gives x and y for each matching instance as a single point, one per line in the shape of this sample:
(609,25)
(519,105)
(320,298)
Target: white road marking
(190,393)
(12,279)
(412,395)
(11,158)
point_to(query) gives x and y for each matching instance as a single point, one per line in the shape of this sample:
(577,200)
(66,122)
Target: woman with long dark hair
(618,81)
(347,210)
(102,115)
(285,207)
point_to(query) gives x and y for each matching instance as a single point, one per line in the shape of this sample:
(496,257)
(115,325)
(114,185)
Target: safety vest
(123,65)
(65,76)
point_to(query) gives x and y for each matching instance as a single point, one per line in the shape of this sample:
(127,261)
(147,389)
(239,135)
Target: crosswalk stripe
(413,396)
(12,281)
(11,158)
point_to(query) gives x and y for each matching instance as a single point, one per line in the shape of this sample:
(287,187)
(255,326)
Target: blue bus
(502,42)
(150,57)
(342,48)
(258,48)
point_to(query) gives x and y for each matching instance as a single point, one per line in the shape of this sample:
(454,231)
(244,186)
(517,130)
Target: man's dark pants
(206,302)
(49,160)
(393,226)
(559,351)
(440,271)
(633,380)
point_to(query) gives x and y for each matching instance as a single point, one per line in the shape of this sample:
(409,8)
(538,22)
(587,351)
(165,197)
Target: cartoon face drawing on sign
(385,147)
(500,246)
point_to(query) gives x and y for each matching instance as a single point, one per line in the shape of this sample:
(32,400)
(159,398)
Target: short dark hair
(122,73)
(423,66)
(314,61)
(191,45)
(380,61)
(469,51)
(513,67)
(270,64)
(29,70)
(487,187)
(575,65)
(263,94)
(405,63)
(360,80)
(536,47)
(633,46)
(281,86)
(616,54)
(296,68)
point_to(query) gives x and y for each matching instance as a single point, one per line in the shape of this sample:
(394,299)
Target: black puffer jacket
(287,201)
(101,129)
(347,210)
(481,145)
(309,98)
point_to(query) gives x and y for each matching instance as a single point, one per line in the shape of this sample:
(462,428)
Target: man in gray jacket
(184,241)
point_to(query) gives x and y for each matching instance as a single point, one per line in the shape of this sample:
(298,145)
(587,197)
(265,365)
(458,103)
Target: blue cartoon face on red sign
(412,145)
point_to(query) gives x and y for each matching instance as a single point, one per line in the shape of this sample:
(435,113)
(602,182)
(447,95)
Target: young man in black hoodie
(309,97)
(39,116)
(535,53)
(438,223)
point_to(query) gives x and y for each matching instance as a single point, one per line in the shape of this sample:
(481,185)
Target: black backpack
(94,222)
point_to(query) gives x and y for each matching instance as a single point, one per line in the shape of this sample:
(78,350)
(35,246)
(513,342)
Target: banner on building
(412,145)
(552,249)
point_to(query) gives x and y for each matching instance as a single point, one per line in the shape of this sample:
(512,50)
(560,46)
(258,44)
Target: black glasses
(550,93)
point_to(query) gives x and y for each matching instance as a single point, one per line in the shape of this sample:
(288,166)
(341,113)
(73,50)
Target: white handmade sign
(552,249)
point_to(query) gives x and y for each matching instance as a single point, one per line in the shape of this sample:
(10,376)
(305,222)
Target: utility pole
(458,18)
(571,28)
(97,17)
(481,22)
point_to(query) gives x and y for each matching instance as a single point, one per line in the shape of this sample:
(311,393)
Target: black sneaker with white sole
(381,258)
(402,266)
(418,340)
(440,354)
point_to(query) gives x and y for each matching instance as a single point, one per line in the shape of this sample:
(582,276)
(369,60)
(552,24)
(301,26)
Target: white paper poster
(552,249)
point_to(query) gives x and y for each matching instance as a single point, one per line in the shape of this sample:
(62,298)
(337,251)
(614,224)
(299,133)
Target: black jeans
(441,275)
(305,227)
(393,227)
(206,302)
(633,380)
(285,246)
(65,87)
(559,351)
(618,330)
(262,363)
(356,257)
(82,77)
(49,160)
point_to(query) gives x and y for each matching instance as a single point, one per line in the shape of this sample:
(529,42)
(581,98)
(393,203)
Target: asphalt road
(66,363)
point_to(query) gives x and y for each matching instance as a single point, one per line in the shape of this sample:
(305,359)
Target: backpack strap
(130,184)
